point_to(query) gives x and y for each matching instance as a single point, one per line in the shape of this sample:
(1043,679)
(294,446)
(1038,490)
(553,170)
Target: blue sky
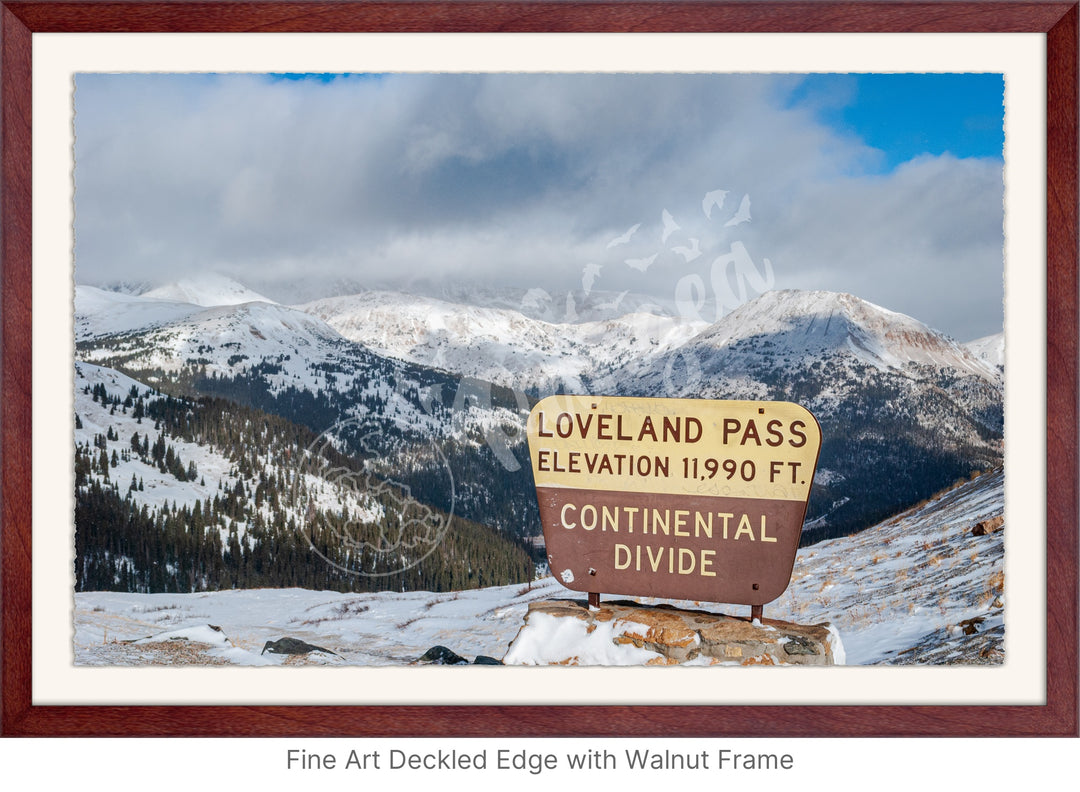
(885,186)
(907,115)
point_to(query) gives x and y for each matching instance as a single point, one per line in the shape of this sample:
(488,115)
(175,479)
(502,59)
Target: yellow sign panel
(737,449)
(681,498)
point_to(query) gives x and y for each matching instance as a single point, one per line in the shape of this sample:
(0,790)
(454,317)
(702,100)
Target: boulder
(566,632)
(440,655)
(984,527)
(292,646)
(972,626)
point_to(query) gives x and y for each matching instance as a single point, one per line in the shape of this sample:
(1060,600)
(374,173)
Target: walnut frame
(18,714)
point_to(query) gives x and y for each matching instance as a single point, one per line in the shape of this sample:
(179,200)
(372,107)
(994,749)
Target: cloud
(925,240)
(514,179)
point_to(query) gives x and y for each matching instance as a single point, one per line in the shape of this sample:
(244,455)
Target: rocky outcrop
(566,632)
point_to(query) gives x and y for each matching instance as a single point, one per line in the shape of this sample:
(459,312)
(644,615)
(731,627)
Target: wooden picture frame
(1057,717)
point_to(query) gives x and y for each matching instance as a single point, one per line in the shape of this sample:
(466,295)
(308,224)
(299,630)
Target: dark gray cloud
(520,180)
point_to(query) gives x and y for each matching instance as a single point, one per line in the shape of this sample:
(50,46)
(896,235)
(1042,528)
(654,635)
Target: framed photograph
(439,369)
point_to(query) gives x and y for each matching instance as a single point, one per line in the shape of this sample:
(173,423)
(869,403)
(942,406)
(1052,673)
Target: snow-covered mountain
(175,494)
(901,406)
(290,363)
(273,350)
(294,348)
(793,328)
(826,350)
(103,312)
(554,306)
(594,305)
(904,410)
(207,289)
(184,495)
(223,338)
(97,419)
(990,349)
(818,348)
(500,345)
(99,312)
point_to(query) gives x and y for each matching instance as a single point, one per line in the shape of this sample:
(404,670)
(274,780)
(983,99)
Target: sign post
(674,498)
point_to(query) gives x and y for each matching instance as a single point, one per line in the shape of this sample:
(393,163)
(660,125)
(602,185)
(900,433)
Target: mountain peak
(816,322)
(785,303)
(990,348)
(208,290)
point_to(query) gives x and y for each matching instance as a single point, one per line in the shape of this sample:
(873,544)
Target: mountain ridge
(904,410)
(500,345)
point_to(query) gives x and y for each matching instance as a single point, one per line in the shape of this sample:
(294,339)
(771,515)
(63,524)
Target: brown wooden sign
(675,498)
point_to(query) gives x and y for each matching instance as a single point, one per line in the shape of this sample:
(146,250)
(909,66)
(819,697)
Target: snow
(828,350)
(103,313)
(228,339)
(159,487)
(215,469)
(203,633)
(300,349)
(826,338)
(383,628)
(990,349)
(499,345)
(208,290)
(894,593)
(905,584)
(802,331)
(100,313)
(345,493)
(551,639)
(827,321)
(836,645)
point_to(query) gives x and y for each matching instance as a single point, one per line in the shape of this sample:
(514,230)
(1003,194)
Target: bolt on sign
(676,498)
